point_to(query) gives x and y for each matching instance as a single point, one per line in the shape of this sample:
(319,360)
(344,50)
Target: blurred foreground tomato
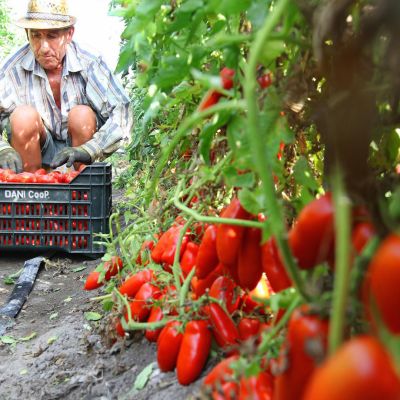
(360,369)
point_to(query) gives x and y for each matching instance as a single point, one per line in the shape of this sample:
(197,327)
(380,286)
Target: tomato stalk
(342,257)
(259,149)
(121,245)
(266,340)
(212,220)
(176,269)
(185,287)
(100,298)
(180,134)
(131,325)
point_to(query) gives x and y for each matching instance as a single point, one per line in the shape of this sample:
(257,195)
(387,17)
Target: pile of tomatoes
(40,176)
(221,267)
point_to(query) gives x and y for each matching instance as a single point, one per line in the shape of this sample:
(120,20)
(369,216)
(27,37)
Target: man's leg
(27,136)
(81,124)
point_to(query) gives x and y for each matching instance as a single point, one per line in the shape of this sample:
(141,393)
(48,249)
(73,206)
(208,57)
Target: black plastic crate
(62,217)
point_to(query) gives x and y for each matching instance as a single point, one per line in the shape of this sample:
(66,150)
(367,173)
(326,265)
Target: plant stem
(259,148)
(213,220)
(176,269)
(181,133)
(342,268)
(265,343)
(185,287)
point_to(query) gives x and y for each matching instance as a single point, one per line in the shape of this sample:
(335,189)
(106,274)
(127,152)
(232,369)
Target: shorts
(50,147)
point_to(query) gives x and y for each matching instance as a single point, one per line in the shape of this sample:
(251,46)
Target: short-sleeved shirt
(86,80)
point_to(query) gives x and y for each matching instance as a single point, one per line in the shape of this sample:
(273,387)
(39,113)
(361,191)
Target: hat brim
(44,24)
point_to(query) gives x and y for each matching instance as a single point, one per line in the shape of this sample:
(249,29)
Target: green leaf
(257,13)
(144,376)
(304,175)
(208,132)
(108,305)
(53,316)
(234,178)
(229,7)
(52,339)
(239,143)
(93,316)
(27,338)
(148,8)
(8,340)
(78,269)
(191,5)
(252,200)
(272,50)
(12,278)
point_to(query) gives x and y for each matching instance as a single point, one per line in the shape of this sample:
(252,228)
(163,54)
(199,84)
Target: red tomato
(146,245)
(168,345)
(133,283)
(156,314)
(265,80)
(224,329)
(112,267)
(361,235)
(249,305)
(47,179)
(70,176)
(207,257)
(228,391)
(200,286)
(312,237)
(40,171)
(119,329)
(229,237)
(221,372)
(227,75)
(223,288)
(193,354)
(304,330)
(258,387)
(92,281)
(210,99)
(164,250)
(248,327)
(4,173)
(249,259)
(273,266)
(384,281)
(189,258)
(360,369)
(141,304)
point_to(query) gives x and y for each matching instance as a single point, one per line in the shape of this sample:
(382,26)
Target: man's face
(50,45)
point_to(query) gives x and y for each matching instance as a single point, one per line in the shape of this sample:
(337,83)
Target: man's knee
(82,121)
(26,124)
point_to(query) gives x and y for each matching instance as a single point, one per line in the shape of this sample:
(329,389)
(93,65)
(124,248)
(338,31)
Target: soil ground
(58,354)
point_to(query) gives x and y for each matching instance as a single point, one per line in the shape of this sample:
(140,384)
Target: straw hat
(46,14)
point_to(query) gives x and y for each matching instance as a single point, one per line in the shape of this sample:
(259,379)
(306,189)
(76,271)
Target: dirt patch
(58,354)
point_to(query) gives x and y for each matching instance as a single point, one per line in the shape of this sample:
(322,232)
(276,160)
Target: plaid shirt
(86,79)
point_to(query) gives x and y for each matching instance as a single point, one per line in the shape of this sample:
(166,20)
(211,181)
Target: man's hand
(69,155)
(10,159)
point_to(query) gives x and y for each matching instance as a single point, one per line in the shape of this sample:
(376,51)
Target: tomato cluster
(40,176)
(229,261)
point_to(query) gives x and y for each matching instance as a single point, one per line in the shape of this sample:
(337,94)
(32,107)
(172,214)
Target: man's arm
(107,96)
